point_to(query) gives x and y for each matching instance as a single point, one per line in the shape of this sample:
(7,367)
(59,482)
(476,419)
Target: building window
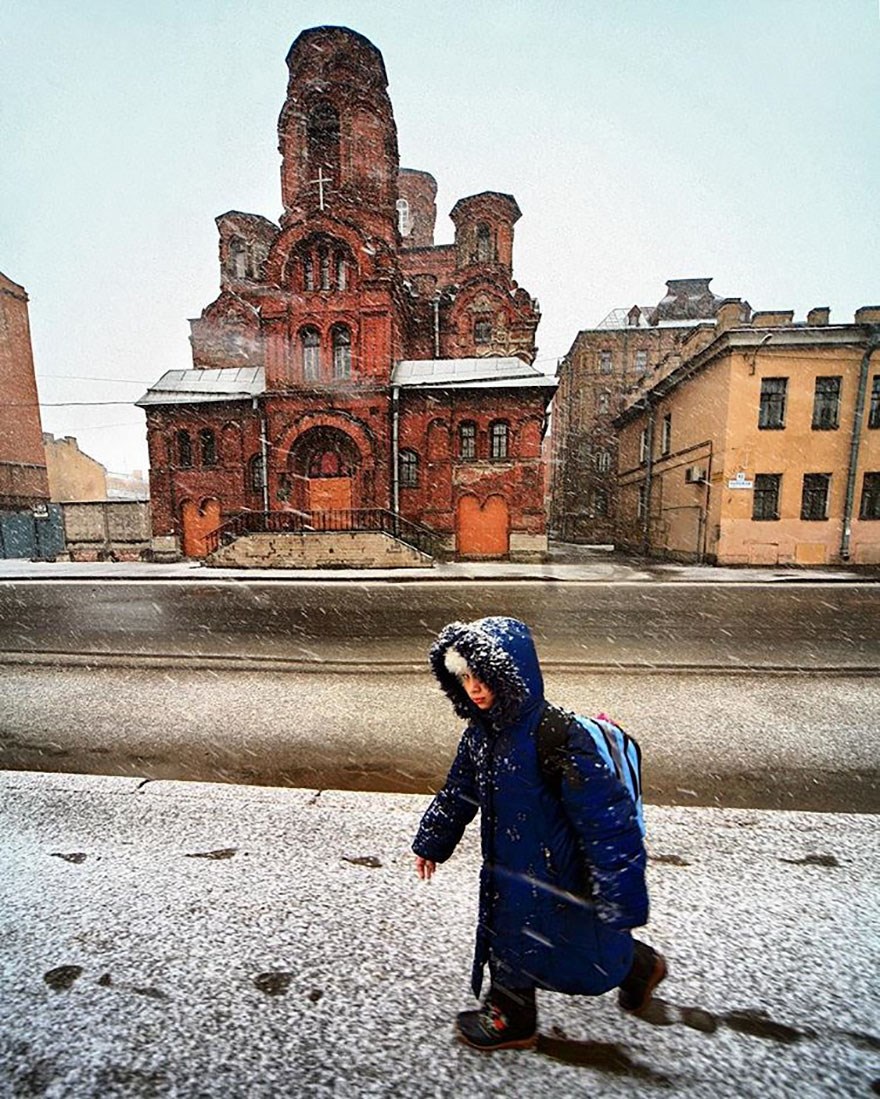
(409,469)
(874,414)
(603,461)
(606,363)
(600,503)
(482,332)
(870,506)
(641,362)
(256,474)
(826,404)
(603,401)
(498,441)
(643,446)
(814,501)
(484,243)
(237,257)
(341,351)
(324,264)
(403,222)
(311,354)
(308,272)
(765,503)
(323,141)
(208,447)
(772,412)
(184,450)
(642,503)
(467,441)
(341,272)
(666,436)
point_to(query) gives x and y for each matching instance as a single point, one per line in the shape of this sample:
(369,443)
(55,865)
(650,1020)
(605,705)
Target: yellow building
(762,447)
(73,475)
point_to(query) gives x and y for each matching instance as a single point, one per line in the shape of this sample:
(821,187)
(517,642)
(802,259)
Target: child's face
(477,691)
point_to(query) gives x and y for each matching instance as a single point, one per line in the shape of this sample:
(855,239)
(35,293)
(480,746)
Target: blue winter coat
(563,875)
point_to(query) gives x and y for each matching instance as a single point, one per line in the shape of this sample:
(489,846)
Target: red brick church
(352,373)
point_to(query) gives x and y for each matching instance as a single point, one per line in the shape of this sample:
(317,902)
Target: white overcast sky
(644,140)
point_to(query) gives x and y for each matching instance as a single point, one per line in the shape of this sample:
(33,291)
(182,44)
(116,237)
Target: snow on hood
(500,652)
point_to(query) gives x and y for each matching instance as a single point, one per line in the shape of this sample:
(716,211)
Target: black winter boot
(647,971)
(508,1019)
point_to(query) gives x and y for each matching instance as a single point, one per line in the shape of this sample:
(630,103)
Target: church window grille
(208,447)
(467,441)
(409,469)
(308,272)
(403,221)
(498,433)
(184,450)
(341,351)
(482,332)
(311,354)
(484,243)
(323,137)
(256,474)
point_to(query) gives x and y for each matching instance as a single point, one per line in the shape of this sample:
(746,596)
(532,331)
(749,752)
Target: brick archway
(482,530)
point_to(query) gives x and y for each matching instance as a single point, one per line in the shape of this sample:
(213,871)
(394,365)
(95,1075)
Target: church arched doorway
(482,530)
(324,463)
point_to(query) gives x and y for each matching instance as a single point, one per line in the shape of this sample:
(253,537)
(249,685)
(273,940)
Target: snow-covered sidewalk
(187,939)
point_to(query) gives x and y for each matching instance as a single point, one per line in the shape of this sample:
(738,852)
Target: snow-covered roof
(618,318)
(203,386)
(482,373)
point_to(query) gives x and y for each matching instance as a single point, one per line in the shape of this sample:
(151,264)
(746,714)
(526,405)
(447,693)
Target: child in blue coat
(563,875)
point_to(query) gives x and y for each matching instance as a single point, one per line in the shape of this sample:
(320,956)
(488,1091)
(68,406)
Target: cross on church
(322,182)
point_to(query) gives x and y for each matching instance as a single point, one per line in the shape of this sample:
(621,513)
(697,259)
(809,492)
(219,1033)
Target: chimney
(773,318)
(868,314)
(819,316)
(730,314)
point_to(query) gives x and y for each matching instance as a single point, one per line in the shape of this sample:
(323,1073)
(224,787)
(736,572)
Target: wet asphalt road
(731,625)
(758,696)
(788,741)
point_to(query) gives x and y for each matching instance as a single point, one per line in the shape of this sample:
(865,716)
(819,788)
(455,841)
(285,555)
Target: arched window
(310,338)
(482,332)
(323,139)
(498,441)
(467,441)
(308,271)
(237,258)
(484,243)
(409,469)
(324,260)
(403,222)
(208,447)
(184,450)
(256,474)
(341,271)
(341,351)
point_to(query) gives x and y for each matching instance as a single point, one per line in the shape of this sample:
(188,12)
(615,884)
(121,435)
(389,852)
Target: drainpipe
(649,471)
(436,304)
(395,443)
(263,456)
(872,345)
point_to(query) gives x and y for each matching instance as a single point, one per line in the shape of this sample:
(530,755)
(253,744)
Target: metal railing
(358,520)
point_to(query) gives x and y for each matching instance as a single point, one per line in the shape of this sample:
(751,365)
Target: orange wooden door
(331,494)
(482,531)
(197,523)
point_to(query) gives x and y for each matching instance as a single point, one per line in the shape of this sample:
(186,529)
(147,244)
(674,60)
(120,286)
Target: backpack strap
(551,737)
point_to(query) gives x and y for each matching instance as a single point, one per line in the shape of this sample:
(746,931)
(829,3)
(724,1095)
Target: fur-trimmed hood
(500,652)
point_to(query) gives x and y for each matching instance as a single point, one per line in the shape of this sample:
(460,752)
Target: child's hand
(425,868)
